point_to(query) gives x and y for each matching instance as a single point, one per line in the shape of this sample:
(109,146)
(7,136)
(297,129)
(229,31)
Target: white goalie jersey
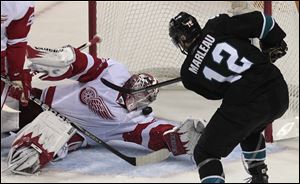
(94,105)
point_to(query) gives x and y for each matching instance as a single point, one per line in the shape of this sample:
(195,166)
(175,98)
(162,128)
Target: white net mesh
(138,35)
(287,16)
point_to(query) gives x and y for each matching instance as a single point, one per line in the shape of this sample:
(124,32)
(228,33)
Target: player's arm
(17,32)
(252,25)
(65,63)
(257,25)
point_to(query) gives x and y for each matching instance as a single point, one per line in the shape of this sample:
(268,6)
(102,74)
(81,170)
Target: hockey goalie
(108,114)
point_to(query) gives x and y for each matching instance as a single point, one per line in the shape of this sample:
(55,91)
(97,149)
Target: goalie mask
(183,30)
(142,99)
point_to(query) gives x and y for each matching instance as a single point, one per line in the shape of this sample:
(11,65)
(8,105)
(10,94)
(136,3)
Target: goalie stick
(133,91)
(153,157)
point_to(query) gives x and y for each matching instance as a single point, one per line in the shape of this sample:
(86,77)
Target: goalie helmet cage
(136,33)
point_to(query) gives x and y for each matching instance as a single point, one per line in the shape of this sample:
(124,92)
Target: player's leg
(218,140)
(275,103)
(30,112)
(254,152)
(43,140)
(229,126)
(61,139)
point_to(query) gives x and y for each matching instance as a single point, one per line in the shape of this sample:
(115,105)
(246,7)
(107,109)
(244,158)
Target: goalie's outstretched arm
(66,62)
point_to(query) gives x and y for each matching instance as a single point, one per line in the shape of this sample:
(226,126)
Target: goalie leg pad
(78,140)
(38,143)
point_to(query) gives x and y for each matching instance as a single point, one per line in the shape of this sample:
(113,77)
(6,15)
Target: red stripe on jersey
(15,55)
(19,29)
(50,95)
(135,135)
(156,141)
(80,63)
(94,71)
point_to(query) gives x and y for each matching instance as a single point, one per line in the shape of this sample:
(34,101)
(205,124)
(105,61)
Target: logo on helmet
(183,30)
(189,23)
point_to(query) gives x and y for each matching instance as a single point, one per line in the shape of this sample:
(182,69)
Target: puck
(147,110)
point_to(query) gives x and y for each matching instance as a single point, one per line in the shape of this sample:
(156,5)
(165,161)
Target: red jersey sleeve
(17,32)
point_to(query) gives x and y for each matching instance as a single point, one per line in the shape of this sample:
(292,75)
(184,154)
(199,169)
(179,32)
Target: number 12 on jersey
(231,63)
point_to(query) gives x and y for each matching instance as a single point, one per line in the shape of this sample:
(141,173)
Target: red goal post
(92,9)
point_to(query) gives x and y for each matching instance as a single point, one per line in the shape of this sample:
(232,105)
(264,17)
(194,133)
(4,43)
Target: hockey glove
(276,52)
(54,64)
(22,91)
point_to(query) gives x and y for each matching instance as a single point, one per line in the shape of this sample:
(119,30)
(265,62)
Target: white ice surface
(99,165)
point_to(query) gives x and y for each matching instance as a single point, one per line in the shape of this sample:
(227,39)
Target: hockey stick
(133,91)
(153,157)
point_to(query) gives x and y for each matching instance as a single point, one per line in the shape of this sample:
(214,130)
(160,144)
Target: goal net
(136,34)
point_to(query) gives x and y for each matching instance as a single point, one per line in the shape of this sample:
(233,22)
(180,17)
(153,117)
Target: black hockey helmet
(183,29)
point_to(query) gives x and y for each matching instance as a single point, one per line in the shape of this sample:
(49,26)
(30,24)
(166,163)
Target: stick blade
(9,109)
(153,157)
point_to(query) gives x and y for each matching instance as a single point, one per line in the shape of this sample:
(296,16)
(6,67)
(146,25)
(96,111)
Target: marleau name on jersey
(201,53)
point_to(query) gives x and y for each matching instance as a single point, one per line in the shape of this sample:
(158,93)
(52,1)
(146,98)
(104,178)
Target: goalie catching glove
(47,138)
(183,139)
(56,64)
